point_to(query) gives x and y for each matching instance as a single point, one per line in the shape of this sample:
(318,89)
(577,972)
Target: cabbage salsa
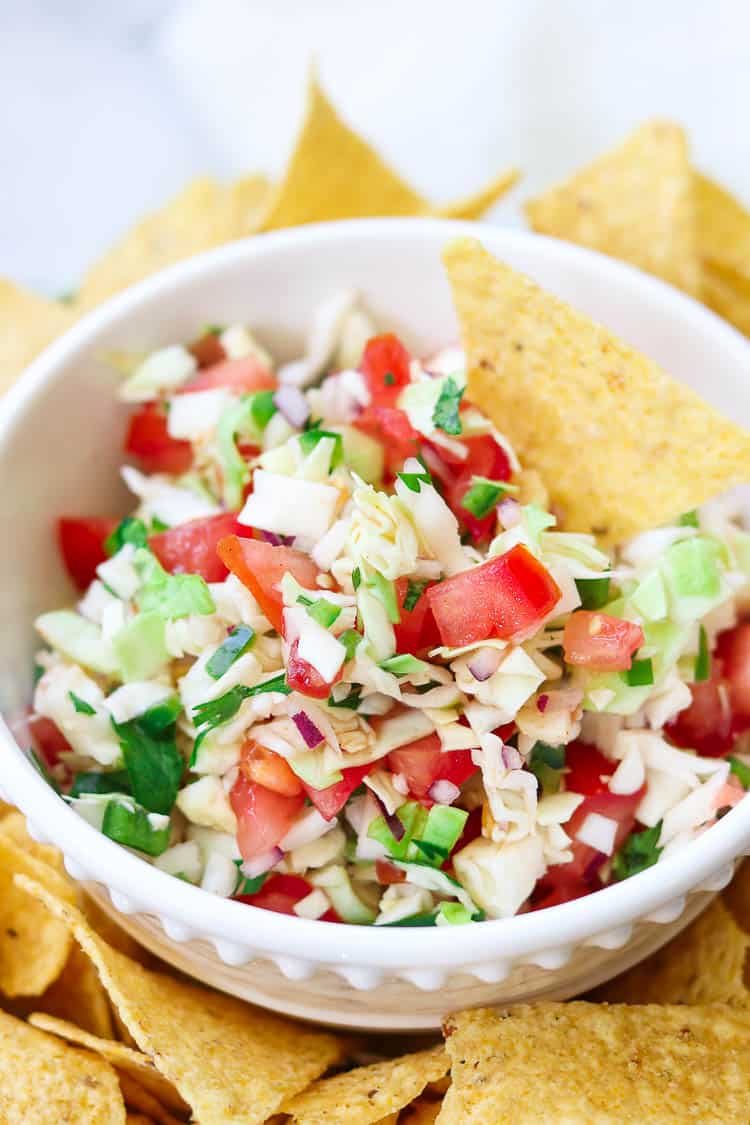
(340,662)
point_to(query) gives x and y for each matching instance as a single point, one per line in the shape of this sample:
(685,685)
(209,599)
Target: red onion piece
(512,760)
(509,512)
(307,729)
(259,864)
(291,402)
(541,703)
(443,792)
(484,663)
(592,867)
(395,826)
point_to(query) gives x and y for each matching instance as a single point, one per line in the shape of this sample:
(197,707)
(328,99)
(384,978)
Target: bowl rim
(202,914)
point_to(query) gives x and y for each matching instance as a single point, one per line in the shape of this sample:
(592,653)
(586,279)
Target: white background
(108,107)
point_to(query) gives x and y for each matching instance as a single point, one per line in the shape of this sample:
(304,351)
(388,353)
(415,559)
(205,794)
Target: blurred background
(108,108)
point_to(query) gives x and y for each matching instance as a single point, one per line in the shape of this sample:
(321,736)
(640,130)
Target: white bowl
(60,438)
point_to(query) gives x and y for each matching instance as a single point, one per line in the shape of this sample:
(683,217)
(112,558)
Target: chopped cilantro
(215,712)
(446,416)
(389,379)
(112,781)
(236,644)
(309,439)
(639,851)
(133,828)
(350,701)
(547,763)
(262,408)
(414,591)
(414,481)
(129,530)
(81,706)
(152,760)
(356,577)
(703,659)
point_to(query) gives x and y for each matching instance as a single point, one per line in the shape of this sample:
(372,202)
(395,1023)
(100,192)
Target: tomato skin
(385,366)
(586,770)
(417,629)
(707,725)
(600,641)
(733,656)
(331,801)
(207,350)
(148,440)
(281,893)
(302,677)
(503,597)
(261,765)
(423,762)
(263,817)
(245,374)
(81,541)
(190,548)
(49,741)
(260,566)
(486,459)
(392,428)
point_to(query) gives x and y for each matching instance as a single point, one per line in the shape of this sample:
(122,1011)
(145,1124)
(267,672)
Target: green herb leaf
(389,379)
(133,828)
(703,659)
(740,770)
(80,705)
(414,591)
(639,851)
(547,762)
(594,592)
(350,701)
(414,920)
(356,577)
(688,519)
(214,712)
(446,415)
(414,481)
(114,781)
(640,673)
(262,408)
(324,612)
(235,646)
(308,440)
(483,495)
(350,638)
(153,762)
(161,716)
(247,886)
(129,530)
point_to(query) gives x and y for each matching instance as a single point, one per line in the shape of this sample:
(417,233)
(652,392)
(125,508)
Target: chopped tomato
(392,428)
(706,726)
(148,440)
(302,677)
(261,566)
(424,762)
(263,817)
(417,629)
(81,543)
(190,548)
(245,374)
(331,801)
(49,741)
(281,893)
(598,640)
(268,769)
(486,459)
(385,366)
(387,873)
(733,653)
(208,350)
(504,597)
(586,770)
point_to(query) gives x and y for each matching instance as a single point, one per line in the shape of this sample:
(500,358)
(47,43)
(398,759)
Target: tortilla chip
(27,324)
(138,1097)
(78,995)
(621,446)
(33,946)
(703,965)
(45,1082)
(137,1119)
(474,206)
(250,199)
(737,896)
(139,1066)
(727,294)
(582,1062)
(723,227)
(369,1093)
(232,1063)
(420,1112)
(635,203)
(14,827)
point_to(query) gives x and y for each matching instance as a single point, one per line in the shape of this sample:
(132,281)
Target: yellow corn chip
(723,227)
(369,1093)
(78,995)
(45,1082)
(27,324)
(137,1119)
(737,896)
(702,965)
(420,1112)
(635,203)
(621,446)
(474,206)
(250,197)
(14,827)
(139,1066)
(728,294)
(232,1063)
(33,946)
(595,1063)
(137,1097)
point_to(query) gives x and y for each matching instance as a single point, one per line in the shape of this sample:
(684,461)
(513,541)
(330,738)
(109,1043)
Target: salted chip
(702,965)
(14,827)
(581,1062)
(621,445)
(737,896)
(474,206)
(79,995)
(369,1093)
(138,1098)
(34,947)
(728,295)
(28,323)
(635,203)
(420,1112)
(723,227)
(45,1082)
(232,1063)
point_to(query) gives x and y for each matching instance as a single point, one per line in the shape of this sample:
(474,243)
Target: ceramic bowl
(60,438)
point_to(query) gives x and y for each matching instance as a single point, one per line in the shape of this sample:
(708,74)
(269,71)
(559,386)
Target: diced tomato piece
(598,640)
(587,771)
(392,428)
(49,741)
(208,350)
(190,548)
(148,440)
(504,597)
(417,629)
(281,893)
(268,769)
(245,374)
(302,677)
(707,725)
(388,873)
(486,459)
(81,543)
(331,801)
(261,566)
(733,653)
(554,888)
(423,762)
(385,366)
(263,817)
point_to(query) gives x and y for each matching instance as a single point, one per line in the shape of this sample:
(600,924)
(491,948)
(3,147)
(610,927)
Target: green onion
(116,781)
(594,592)
(351,699)
(703,659)
(547,762)
(129,530)
(133,828)
(454,914)
(427,919)
(309,439)
(483,496)
(414,591)
(324,612)
(446,416)
(404,664)
(262,408)
(236,645)
(356,577)
(639,851)
(440,833)
(640,673)
(80,705)
(740,770)
(350,638)
(385,592)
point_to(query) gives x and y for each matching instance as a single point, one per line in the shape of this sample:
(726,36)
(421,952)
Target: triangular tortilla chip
(232,1063)
(78,995)
(703,965)
(728,294)
(45,1082)
(737,896)
(723,227)
(27,324)
(474,206)
(598,1063)
(621,446)
(369,1093)
(634,203)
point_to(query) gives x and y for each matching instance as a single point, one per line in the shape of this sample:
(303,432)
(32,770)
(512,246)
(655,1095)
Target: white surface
(109,108)
(411,977)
